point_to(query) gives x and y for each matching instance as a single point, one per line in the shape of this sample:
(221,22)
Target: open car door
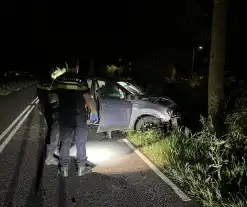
(114,110)
(114,115)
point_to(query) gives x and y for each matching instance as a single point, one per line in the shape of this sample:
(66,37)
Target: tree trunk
(217,58)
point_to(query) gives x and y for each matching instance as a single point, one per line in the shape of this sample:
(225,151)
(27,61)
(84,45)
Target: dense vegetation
(211,166)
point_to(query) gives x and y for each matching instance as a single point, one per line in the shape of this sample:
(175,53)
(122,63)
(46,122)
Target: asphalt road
(13,104)
(120,178)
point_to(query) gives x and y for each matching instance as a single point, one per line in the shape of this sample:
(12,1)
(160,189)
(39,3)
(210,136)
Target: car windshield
(135,90)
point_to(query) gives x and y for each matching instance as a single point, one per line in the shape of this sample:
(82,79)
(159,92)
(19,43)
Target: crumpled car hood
(165,101)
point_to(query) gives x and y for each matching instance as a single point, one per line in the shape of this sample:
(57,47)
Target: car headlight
(170,112)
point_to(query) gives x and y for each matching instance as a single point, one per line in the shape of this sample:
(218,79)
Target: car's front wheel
(147,122)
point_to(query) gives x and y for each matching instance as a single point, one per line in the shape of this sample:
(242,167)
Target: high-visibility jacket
(70,89)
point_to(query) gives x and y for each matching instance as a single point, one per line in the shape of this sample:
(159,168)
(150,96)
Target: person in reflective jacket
(73,93)
(44,86)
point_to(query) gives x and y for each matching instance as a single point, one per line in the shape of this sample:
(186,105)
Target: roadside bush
(213,169)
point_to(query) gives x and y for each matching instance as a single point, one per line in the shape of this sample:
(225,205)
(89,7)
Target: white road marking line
(17,119)
(180,193)
(6,141)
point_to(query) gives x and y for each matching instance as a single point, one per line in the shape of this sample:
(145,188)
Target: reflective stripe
(68,82)
(70,87)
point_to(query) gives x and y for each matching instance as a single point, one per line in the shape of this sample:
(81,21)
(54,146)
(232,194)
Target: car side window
(109,89)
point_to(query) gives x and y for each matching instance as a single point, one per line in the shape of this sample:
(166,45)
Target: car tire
(147,120)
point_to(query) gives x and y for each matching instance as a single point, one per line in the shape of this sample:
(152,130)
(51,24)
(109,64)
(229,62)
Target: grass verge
(212,169)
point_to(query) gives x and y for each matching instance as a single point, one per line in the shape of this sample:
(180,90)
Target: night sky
(38,33)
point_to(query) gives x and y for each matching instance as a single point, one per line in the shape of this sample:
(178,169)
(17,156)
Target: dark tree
(217,58)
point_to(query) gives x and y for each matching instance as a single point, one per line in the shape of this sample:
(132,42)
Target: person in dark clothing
(44,86)
(73,93)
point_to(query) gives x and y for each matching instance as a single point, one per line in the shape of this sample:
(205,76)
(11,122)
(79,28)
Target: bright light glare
(95,155)
(99,152)
(200,47)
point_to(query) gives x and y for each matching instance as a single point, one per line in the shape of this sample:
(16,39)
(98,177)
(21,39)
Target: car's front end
(162,108)
(170,107)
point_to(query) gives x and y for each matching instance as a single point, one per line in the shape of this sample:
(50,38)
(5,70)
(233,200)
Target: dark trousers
(51,122)
(52,131)
(73,126)
(44,103)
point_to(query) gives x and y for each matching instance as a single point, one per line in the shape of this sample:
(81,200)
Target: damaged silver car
(123,105)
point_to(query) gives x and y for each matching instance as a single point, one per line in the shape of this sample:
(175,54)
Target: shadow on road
(35,197)
(62,189)
(14,181)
